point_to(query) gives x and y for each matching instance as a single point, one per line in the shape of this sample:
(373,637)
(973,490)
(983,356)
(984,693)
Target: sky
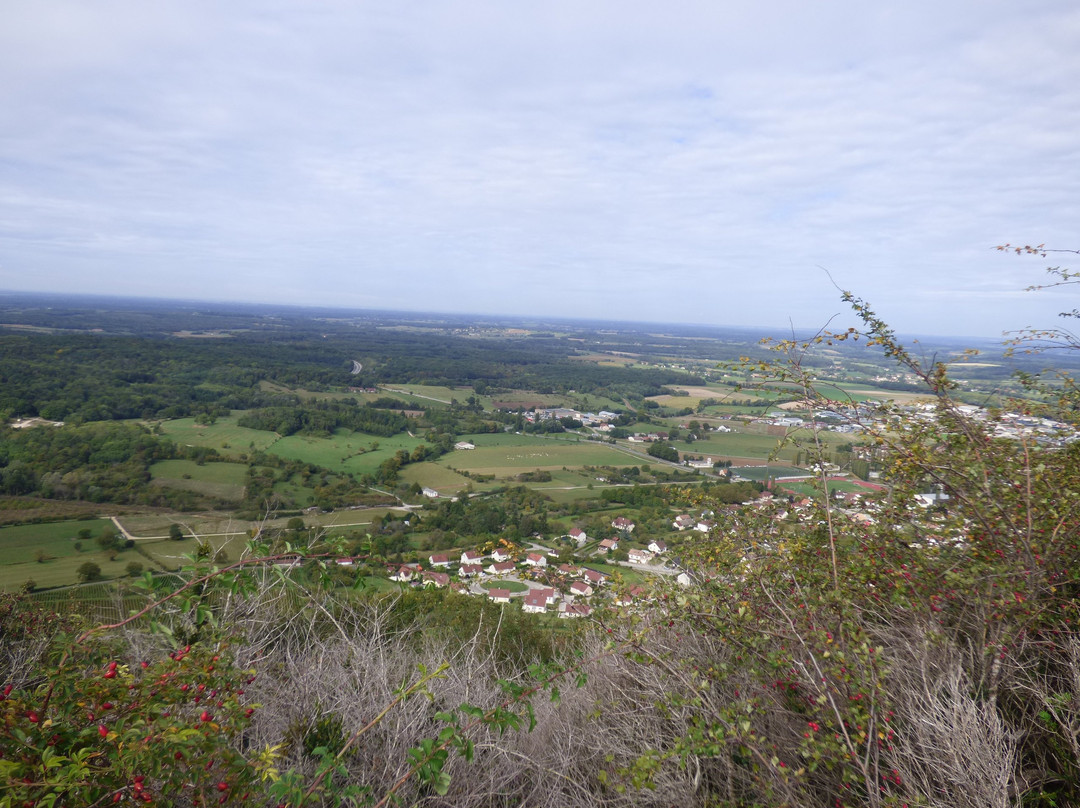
(711,162)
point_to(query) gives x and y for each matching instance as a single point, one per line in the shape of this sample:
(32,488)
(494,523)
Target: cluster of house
(856,418)
(599,420)
(685,521)
(650,437)
(581,582)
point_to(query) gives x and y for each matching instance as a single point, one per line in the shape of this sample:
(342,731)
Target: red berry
(102,730)
(205,716)
(222,786)
(33,716)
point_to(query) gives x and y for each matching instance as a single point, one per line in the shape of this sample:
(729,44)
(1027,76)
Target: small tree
(107,540)
(89,571)
(175,533)
(134,569)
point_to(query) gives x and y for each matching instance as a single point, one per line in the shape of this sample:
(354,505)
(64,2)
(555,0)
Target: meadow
(346,452)
(512,458)
(222,480)
(21,543)
(223,435)
(60,560)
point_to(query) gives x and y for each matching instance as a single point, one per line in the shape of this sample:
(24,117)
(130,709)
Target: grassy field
(549,455)
(222,480)
(63,570)
(347,452)
(21,543)
(423,394)
(442,478)
(513,586)
(224,435)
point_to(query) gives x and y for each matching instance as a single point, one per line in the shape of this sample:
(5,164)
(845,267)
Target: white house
(535,602)
(580,588)
(657,546)
(439,579)
(472,557)
(499,595)
(575,609)
(536,560)
(403,572)
(640,556)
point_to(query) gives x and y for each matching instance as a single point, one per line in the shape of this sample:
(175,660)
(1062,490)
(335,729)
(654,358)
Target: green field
(513,586)
(223,480)
(424,395)
(224,435)
(62,560)
(21,543)
(347,452)
(442,478)
(536,453)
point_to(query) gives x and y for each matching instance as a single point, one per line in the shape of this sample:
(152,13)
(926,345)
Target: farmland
(331,445)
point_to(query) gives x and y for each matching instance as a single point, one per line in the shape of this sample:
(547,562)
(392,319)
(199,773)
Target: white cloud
(694,161)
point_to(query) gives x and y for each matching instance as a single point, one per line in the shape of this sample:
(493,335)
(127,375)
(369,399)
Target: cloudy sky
(693,160)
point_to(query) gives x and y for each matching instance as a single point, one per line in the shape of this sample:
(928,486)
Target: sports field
(761,473)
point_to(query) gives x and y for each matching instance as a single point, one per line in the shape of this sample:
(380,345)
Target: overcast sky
(676,161)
